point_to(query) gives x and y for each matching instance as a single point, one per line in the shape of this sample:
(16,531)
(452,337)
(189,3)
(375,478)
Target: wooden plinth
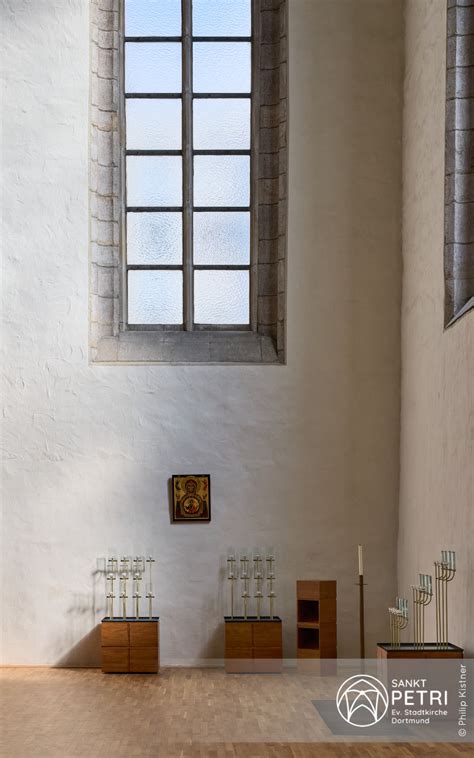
(253,646)
(407,650)
(130,646)
(316,615)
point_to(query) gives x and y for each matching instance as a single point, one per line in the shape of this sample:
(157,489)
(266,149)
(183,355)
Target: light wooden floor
(201,713)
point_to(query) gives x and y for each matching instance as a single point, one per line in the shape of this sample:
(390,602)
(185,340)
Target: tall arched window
(196,145)
(459,198)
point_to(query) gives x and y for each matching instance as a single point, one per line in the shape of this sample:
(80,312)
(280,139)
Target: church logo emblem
(362,700)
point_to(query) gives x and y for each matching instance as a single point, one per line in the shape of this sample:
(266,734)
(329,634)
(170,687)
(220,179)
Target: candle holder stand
(445,571)
(422,596)
(232,578)
(398,620)
(361,586)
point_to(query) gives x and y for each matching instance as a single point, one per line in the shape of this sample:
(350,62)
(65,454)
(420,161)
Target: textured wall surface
(303,456)
(437,437)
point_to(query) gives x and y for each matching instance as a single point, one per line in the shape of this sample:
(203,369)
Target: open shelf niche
(316,624)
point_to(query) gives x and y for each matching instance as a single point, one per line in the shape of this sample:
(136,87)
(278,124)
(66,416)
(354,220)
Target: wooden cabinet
(253,645)
(316,614)
(130,646)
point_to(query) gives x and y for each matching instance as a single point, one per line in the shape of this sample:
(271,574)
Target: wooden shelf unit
(130,646)
(316,619)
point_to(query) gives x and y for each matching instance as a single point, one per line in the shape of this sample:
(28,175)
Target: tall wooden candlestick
(361,616)
(361,603)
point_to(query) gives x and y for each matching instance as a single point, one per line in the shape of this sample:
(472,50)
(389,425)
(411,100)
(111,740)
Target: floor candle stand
(129,644)
(398,620)
(232,578)
(445,571)
(422,596)
(253,640)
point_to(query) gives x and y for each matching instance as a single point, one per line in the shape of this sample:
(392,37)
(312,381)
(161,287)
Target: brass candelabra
(398,620)
(422,596)
(124,570)
(256,566)
(445,571)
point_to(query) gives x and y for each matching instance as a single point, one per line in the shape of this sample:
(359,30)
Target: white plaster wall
(437,420)
(304,457)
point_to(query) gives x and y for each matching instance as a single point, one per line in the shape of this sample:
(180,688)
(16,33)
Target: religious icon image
(191,497)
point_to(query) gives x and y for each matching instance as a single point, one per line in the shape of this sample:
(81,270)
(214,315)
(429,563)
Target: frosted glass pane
(221,180)
(154,180)
(155,297)
(153,67)
(153,18)
(222,239)
(221,18)
(222,124)
(153,124)
(221,297)
(221,67)
(154,238)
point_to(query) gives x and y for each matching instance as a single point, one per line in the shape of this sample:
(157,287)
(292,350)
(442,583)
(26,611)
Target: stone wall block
(270,116)
(104,180)
(268,191)
(106,95)
(104,255)
(267,279)
(106,63)
(268,166)
(460,82)
(269,140)
(107,20)
(270,25)
(283,71)
(268,309)
(270,55)
(282,187)
(268,222)
(107,39)
(266,251)
(105,147)
(281,277)
(270,87)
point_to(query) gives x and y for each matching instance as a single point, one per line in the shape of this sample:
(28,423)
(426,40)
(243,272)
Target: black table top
(428,647)
(253,619)
(130,619)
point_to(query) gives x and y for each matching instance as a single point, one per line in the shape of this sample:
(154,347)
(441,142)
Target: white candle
(361,564)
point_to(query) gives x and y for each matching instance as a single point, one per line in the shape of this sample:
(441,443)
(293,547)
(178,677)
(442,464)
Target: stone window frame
(110,341)
(459,163)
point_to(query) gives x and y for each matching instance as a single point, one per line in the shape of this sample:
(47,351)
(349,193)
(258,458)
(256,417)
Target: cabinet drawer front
(268,652)
(267,634)
(239,661)
(114,633)
(238,652)
(115,660)
(238,634)
(270,665)
(143,634)
(144,660)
